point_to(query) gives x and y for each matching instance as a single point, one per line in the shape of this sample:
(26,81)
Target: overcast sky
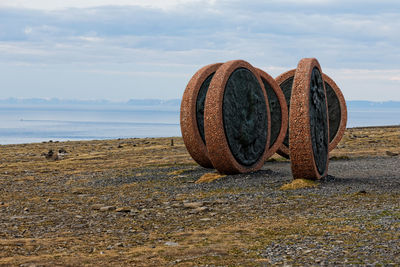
(122,49)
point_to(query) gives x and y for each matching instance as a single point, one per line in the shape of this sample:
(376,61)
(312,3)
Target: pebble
(123,209)
(199,209)
(107,208)
(171,244)
(97,206)
(192,205)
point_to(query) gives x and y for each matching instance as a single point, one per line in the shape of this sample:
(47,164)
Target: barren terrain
(140,202)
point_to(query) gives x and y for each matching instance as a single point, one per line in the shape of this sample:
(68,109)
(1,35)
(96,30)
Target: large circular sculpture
(278,110)
(337,110)
(308,122)
(237,119)
(192,114)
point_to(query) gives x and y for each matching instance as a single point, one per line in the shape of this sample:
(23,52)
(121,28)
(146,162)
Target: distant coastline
(37,120)
(351,104)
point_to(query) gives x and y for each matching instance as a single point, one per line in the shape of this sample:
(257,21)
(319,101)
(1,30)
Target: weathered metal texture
(192,114)
(278,110)
(337,112)
(237,119)
(308,122)
(337,109)
(285,82)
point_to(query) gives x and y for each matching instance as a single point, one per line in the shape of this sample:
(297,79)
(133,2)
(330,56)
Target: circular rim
(188,121)
(283,149)
(343,112)
(216,140)
(300,142)
(284,111)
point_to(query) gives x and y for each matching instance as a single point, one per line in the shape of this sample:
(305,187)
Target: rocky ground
(140,202)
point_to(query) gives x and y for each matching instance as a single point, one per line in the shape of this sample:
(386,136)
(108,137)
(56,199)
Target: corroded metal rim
(189,126)
(218,148)
(283,149)
(343,112)
(302,154)
(274,146)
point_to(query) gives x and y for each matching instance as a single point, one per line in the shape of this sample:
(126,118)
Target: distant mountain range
(171,103)
(101,102)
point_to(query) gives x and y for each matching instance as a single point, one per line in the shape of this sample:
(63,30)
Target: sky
(123,49)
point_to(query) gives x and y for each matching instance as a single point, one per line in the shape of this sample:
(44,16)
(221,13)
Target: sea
(29,124)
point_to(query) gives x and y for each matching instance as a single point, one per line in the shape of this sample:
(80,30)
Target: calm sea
(36,124)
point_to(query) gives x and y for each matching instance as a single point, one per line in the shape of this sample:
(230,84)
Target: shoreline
(149,137)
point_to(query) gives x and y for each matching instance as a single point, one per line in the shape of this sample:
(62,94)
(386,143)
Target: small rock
(192,205)
(391,154)
(97,206)
(171,244)
(78,216)
(107,208)
(1,203)
(49,200)
(26,209)
(123,209)
(205,219)
(119,245)
(199,209)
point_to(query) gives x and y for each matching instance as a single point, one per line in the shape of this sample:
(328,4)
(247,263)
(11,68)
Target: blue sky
(122,49)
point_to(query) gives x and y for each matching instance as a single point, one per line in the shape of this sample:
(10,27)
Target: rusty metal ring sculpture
(308,122)
(237,119)
(278,110)
(192,114)
(337,109)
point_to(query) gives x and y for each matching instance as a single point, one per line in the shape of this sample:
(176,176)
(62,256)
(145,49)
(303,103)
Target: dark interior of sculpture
(286,87)
(318,121)
(334,111)
(275,110)
(245,117)
(200,101)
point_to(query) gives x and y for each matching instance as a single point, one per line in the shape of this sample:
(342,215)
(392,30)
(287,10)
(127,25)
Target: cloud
(170,40)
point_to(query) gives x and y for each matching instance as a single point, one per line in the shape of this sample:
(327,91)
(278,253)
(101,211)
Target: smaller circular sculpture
(308,122)
(237,119)
(285,82)
(337,110)
(192,114)
(278,110)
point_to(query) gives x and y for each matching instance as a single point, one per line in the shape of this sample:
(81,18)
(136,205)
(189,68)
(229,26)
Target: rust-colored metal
(285,81)
(276,144)
(308,129)
(338,132)
(219,150)
(188,117)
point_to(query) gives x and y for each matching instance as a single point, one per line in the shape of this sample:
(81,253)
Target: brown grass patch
(299,184)
(209,177)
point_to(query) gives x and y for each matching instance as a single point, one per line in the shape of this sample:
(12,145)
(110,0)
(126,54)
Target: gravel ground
(159,216)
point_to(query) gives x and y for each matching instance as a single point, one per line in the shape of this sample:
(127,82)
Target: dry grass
(233,239)
(209,177)
(298,184)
